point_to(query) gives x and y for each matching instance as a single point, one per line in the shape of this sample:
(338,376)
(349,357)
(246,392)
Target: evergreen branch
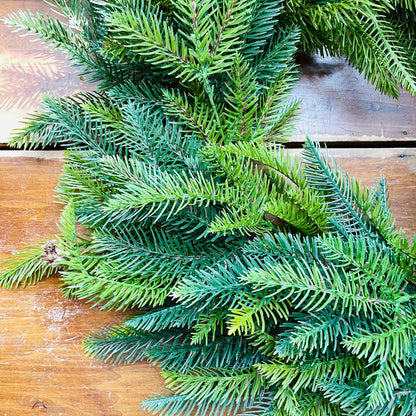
(256,314)
(180,217)
(27,267)
(265,405)
(228,388)
(122,344)
(383,220)
(393,340)
(160,192)
(230,21)
(239,222)
(181,404)
(276,61)
(276,112)
(351,396)
(230,353)
(78,40)
(57,122)
(363,257)
(107,293)
(317,286)
(148,34)
(157,143)
(260,29)
(308,375)
(343,196)
(283,245)
(48,29)
(176,316)
(209,325)
(302,210)
(214,286)
(154,253)
(196,115)
(394,56)
(79,173)
(281,167)
(321,333)
(242,101)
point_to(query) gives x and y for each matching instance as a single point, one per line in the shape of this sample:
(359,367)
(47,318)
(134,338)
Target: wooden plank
(42,362)
(337,103)
(41,358)
(27,210)
(29,69)
(43,368)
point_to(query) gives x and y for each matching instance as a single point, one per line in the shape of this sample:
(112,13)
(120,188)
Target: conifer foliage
(263,283)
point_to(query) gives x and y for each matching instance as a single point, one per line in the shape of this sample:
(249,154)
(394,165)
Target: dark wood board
(28,69)
(337,103)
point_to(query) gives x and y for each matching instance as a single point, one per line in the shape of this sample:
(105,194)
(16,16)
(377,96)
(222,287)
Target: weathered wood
(41,358)
(27,210)
(42,362)
(28,69)
(337,103)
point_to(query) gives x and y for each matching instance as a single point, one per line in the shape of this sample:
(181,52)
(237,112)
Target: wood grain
(337,103)
(43,369)
(41,358)
(28,69)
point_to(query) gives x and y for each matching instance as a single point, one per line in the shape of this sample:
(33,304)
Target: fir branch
(148,34)
(27,267)
(228,353)
(228,388)
(317,286)
(342,195)
(261,25)
(122,344)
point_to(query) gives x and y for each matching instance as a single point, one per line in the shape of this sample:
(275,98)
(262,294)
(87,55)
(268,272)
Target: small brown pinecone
(52,253)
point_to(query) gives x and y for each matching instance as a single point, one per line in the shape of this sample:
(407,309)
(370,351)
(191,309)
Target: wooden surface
(337,103)
(41,358)
(43,369)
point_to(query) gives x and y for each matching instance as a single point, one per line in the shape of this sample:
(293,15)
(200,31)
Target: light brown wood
(42,362)
(43,368)
(27,210)
(41,358)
